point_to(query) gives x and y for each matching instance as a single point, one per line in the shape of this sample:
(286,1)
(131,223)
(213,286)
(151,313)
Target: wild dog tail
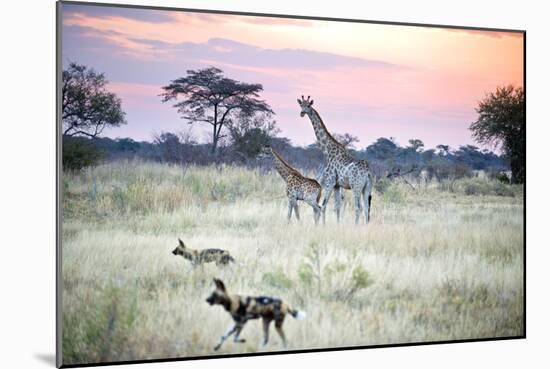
(297,314)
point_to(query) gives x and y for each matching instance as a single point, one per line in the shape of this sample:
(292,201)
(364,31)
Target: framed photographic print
(238,184)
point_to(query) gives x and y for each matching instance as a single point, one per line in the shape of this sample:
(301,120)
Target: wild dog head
(219,295)
(184,251)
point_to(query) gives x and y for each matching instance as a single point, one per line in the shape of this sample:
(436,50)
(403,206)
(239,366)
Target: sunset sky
(370,80)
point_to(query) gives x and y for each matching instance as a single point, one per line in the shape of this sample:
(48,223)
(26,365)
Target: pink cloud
(484,33)
(136,95)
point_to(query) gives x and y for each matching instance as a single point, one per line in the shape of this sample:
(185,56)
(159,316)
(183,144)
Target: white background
(27,182)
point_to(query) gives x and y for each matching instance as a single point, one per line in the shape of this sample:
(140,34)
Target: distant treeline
(384,155)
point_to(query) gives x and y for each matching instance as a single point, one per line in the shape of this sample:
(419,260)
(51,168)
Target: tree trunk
(215,134)
(214,142)
(517,164)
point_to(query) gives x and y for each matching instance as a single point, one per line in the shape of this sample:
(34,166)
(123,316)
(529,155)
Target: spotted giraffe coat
(298,187)
(341,170)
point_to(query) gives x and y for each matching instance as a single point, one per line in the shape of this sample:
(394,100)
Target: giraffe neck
(284,169)
(324,138)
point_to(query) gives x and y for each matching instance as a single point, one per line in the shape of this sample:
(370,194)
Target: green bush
(502,177)
(382,185)
(80,153)
(361,278)
(332,278)
(310,269)
(476,187)
(277,279)
(479,187)
(393,194)
(484,187)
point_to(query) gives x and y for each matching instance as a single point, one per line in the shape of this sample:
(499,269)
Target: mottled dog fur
(198,257)
(244,308)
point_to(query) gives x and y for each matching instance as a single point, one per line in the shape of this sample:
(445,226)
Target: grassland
(442,262)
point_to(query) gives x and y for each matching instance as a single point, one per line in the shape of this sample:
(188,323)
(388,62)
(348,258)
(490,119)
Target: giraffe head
(265,151)
(305,104)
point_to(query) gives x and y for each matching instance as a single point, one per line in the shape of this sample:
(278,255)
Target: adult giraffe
(342,170)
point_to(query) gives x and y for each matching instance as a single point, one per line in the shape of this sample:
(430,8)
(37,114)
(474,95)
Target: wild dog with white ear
(244,308)
(197,257)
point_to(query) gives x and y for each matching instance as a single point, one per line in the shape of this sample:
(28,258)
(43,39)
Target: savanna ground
(442,262)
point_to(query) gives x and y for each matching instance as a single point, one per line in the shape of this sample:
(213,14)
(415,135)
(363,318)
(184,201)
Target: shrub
(332,279)
(393,194)
(479,187)
(310,269)
(79,153)
(277,279)
(502,177)
(474,186)
(361,279)
(382,184)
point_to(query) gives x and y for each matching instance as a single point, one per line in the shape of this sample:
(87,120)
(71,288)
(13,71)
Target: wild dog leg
(227,334)
(279,328)
(239,329)
(266,322)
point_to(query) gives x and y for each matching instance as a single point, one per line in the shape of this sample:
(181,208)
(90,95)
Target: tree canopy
(207,96)
(501,122)
(346,139)
(416,144)
(249,134)
(87,106)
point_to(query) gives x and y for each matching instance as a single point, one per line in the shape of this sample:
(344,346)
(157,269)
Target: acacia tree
(443,150)
(87,106)
(250,134)
(210,97)
(416,145)
(501,122)
(346,139)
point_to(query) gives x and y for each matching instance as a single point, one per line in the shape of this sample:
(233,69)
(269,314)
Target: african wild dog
(196,257)
(243,308)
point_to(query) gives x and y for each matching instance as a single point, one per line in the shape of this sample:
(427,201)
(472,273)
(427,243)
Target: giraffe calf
(298,187)
(198,257)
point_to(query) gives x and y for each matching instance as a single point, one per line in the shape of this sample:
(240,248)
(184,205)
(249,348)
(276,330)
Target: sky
(366,79)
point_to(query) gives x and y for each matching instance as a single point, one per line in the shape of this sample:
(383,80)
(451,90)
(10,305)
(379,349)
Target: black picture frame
(59,173)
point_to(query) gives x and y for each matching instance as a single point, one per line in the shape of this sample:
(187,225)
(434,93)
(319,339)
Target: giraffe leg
(290,207)
(328,191)
(316,209)
(357,198)
(367,190)
(338,202)
(296,212)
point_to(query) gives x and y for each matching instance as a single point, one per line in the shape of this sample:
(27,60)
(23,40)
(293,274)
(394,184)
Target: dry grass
(433,264)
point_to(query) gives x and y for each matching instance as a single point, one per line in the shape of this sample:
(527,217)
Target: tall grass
(435,263)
